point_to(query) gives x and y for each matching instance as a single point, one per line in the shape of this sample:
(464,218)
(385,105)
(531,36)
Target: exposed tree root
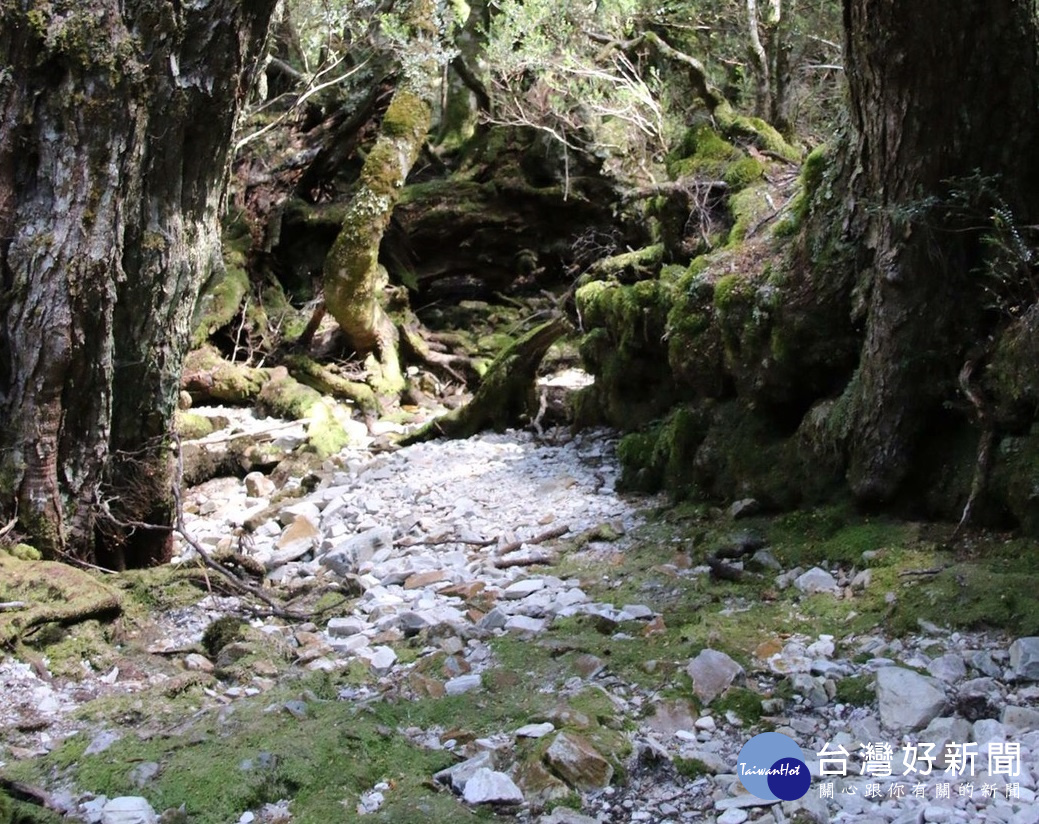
(52,592)
(507,391)
(983,460)
(311,373)
(457,367)
(209,377)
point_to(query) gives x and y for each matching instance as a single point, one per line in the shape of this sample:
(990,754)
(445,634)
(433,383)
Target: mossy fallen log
(507,391)
(54,593)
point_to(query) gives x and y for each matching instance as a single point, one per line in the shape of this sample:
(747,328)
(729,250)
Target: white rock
(1024,658)
(457,775)
(346,626)
(350,553)
(258,485)
(816,580)
(489,787)
(712,673)
(303,509)
(534,730)
(462,684)
(521,589)
(523,625)
(948,668)
(128,809)
(495,619)
(907,700)
(380,659)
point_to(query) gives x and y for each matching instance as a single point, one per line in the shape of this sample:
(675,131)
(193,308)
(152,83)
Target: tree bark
(354,280)
(115,127)
(943,92)
(759,59)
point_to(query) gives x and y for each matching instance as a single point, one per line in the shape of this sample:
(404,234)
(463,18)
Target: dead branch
(440,540)
(523,560)
(512,546)
(704,88)
(473,83)
(920,573)
(419,349)
(235,581)
(6,529)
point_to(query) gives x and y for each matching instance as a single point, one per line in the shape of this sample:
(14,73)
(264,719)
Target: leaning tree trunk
(941,90)
(115,127)
(354,280)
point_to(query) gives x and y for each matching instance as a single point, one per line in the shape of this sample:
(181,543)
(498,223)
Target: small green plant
(743,702)
(691,768)
(857,691)
(220,633)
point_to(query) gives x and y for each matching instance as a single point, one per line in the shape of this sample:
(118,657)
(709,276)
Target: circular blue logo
(771,766)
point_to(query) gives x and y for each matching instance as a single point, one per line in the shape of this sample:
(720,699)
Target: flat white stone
(463,684)
(521,589)
(534,730)
(489,787)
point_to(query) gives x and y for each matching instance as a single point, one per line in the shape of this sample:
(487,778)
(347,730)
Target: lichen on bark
(354,280)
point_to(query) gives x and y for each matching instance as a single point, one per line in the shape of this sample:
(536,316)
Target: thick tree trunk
(115,127)
(354,280)
(941,91)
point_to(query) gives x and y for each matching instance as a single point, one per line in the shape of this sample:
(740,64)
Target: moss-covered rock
(1011,378)
(750,207)
(756,132)
(743,456)
(326,434)
(661,457)
(191,426)
(56,592)
(1015,479)
(810,181)
(625,349)
(694,341)
(24,552)
(702,152)
(285,397)
(640,264)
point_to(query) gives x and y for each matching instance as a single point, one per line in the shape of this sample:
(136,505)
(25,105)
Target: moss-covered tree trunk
(354,280)
(115,127)
(941,90)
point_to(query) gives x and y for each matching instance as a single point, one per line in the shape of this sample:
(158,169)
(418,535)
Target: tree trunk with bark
(354,280)
(115,126)
(944,108)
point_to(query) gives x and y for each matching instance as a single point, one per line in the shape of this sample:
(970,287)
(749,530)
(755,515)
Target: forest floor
(486,629)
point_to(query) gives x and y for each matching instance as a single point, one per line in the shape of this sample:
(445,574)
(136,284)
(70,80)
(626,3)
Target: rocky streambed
(486,629)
